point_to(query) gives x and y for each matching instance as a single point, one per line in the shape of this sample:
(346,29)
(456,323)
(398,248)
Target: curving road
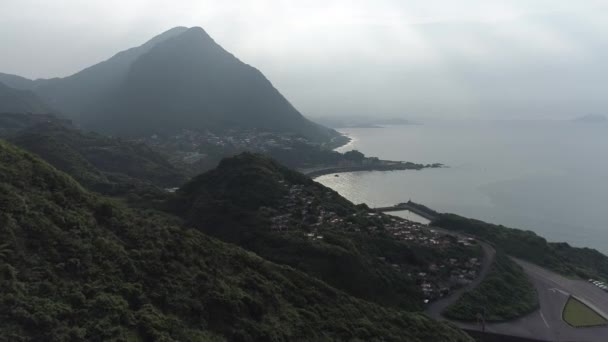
(435,309)
(545,324)
(553,292)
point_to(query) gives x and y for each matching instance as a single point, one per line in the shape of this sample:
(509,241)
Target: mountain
(17,82)
(287,218)
(21,101)
(103,164)
(362,122)
(180,79)
(83,94)
(76,266)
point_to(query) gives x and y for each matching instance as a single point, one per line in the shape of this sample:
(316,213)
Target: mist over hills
(179,79)
(108,165)
(22,101)
(17,82)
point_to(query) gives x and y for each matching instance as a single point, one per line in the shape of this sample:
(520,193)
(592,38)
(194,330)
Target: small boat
(336,175)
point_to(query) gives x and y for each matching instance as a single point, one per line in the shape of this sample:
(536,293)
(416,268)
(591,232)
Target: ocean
(550,177)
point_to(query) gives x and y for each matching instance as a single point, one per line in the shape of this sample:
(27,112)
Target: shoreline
(510,329)
(350,141)
(339,142)
(377,165)
(387,166)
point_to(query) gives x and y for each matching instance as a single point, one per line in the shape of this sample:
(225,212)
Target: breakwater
(416,208)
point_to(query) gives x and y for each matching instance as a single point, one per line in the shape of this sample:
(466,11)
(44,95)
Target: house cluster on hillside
(409,231)
(440,278)
(453,273)
(190,146)
(303,210)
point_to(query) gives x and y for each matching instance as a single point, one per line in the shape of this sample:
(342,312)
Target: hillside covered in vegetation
(76,266)
(286,217)
(11,124)
(506,293)
(104,164)
(22,101)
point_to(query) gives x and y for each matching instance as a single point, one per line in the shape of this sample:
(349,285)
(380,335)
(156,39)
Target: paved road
(546,323)
(437,307)
(553,292)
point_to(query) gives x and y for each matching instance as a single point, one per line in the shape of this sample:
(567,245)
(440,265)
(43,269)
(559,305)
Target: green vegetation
(76,266)
(106,165)
(354,155)
(226,203)
(13,123)
(236,202)
(505,293)
(559,257)
(580,315)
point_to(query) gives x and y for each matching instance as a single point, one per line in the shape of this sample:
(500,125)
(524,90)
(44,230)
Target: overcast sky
(407,58)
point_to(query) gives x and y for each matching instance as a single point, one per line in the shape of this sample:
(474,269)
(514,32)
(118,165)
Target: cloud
(396,57)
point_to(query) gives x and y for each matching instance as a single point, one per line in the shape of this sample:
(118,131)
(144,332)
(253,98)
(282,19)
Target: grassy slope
(506,293)
(559,257)
(580,315)
(74,266)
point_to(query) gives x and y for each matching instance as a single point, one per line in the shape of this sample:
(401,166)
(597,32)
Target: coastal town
(192,146)
(202,150)
(303,211)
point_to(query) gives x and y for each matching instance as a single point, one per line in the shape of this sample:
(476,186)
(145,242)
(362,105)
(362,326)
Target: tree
(5,251)
(354,155)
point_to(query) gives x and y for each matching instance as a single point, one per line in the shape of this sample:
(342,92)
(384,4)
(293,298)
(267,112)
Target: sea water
(550,177)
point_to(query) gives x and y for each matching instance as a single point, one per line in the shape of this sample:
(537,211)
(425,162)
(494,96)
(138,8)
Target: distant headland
(591,118)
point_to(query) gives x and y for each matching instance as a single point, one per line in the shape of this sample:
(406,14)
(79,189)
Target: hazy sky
(409,58)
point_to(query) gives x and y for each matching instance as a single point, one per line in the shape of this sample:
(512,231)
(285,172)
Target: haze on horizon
(413,59)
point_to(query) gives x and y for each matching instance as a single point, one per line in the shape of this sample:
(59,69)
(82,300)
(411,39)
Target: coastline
(349,142)
(531,325)
(385,165)
(338,142)
(375,165)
